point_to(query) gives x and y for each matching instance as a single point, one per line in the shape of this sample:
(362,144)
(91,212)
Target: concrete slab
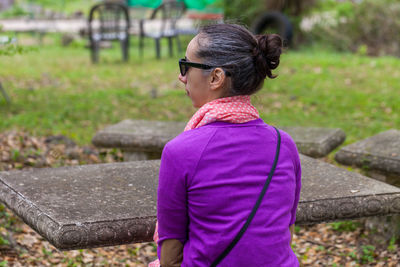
(140,137)
(76,25)
(380,152)
(85,206)
(316,142)
(111,204)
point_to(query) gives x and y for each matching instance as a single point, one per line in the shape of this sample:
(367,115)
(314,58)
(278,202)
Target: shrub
(242,11)
(370,26)
(245,11)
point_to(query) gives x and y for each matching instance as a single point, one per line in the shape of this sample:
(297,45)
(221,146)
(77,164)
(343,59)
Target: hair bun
(267,53)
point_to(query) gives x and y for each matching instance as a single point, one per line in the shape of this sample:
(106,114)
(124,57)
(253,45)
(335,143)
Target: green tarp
(190,4)
(198,4)
(144,3)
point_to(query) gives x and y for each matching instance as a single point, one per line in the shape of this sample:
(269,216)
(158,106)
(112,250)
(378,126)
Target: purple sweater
(210,179)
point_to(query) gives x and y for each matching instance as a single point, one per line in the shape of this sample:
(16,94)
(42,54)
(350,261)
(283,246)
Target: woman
(212,174)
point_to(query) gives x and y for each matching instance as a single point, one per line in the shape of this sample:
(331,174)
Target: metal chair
(164,17)
(109,21)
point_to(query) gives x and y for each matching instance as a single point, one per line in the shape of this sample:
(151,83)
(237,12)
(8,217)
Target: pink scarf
(235,109)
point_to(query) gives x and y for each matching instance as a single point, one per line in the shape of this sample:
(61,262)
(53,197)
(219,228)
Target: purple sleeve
(171,201)
(298,188)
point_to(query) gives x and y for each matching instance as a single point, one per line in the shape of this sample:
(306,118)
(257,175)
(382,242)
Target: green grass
(56,90)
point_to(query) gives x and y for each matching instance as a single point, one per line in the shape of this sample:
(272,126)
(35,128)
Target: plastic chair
(109,21)
(164,17)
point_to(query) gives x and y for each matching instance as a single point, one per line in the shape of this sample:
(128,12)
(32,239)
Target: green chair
(164,17)
(109,21)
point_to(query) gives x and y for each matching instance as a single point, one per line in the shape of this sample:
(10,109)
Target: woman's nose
(182,78)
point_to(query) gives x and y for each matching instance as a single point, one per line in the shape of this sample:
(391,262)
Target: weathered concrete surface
(316,142)
(76,25)
(138,135)
(151,136)
(111,204)
(380,152)
(85,206)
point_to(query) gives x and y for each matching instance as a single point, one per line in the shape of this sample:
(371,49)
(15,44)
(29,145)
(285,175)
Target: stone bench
(111,204)
(379,155)
(140,140)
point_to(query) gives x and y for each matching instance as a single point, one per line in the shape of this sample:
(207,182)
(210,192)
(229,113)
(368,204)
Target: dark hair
(248,58)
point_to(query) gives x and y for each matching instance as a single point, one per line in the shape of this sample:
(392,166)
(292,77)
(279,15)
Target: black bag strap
(255,208)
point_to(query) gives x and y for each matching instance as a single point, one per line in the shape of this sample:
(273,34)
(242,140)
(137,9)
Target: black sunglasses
(184,66)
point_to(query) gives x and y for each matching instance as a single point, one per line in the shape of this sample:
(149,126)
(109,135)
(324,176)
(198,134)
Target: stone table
(379,154)
(110,204)
(140,140)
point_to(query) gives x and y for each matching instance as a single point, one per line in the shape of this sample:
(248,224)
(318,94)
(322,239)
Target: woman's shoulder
(289,144)
(190,141)
(287,139)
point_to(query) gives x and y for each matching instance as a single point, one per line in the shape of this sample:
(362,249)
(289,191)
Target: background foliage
(369,27)
(246,11)
(47,8)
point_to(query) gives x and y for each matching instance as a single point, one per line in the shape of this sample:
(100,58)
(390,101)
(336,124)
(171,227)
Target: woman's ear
(217,79)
